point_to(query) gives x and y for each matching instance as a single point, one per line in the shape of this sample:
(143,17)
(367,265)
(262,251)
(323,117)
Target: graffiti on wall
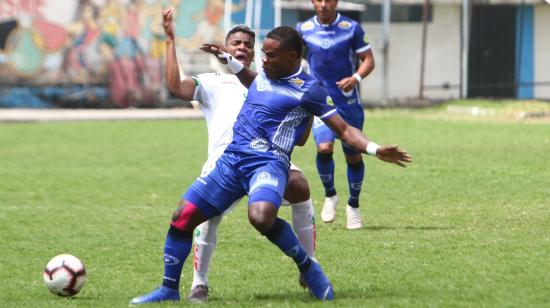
(94,52)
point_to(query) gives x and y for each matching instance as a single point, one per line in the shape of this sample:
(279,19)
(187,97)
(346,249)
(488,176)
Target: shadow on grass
(427,228)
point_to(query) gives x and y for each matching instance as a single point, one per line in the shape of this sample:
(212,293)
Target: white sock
(303,218)
(205,243)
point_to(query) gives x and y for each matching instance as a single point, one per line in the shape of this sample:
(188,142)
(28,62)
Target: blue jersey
(275,114)
(332,53)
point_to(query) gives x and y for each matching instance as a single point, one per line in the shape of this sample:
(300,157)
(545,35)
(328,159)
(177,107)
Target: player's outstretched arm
(183,89)
(246,76)
(356,139)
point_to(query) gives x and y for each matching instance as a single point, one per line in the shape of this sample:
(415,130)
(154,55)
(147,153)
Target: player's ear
(294,55)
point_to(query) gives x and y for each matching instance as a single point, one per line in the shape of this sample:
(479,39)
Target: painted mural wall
(95,53)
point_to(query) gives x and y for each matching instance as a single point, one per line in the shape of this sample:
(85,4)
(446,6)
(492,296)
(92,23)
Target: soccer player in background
(221,96)
(279,103)
(334,42)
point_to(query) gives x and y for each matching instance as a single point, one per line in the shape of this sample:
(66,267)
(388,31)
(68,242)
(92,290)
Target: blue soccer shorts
(233,177)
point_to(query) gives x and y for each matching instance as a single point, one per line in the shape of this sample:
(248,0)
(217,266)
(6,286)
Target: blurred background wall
(110,53)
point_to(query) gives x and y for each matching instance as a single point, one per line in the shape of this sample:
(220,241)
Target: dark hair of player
(288,37)
(241,28)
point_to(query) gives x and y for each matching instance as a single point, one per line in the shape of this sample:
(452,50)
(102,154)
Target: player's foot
(162,294)
(354,218)
(198,294)
(328,213)
(318,284)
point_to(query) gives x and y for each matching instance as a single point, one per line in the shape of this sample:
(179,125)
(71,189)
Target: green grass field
(466,225)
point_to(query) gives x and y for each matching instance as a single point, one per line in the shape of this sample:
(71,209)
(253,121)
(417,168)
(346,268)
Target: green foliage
(465,225)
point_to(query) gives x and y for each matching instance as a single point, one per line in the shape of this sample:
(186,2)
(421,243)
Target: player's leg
(324,138)
(355,172)
(204,246)
(355,168)
(205,199)
(266,191)
(176,249)
(303,214)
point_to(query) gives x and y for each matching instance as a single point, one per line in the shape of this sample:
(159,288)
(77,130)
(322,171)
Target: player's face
(277,61)
(241,46)
(325,9)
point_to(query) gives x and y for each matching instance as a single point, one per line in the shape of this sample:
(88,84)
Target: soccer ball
(65,275)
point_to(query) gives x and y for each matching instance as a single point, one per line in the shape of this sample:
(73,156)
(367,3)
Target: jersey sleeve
(317,101)
(200,94)
(360,41)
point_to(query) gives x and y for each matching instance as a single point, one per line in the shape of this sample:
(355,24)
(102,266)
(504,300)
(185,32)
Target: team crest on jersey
(344,25)
(326,43)
(329,101)
(366,39)
(308,25)
(297,82)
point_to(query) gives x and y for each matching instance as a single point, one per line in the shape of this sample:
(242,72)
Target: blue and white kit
(274,116)
(332,54)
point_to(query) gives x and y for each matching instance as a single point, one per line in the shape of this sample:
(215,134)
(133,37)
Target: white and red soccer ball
(65,275)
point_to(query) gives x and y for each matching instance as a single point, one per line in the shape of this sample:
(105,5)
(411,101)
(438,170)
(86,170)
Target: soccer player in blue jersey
(334,42)
(279,103)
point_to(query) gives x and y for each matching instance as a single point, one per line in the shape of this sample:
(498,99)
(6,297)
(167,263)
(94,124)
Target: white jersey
(221,97)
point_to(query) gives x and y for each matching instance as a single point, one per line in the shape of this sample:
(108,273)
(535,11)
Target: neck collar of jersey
(294,75)
(316,20)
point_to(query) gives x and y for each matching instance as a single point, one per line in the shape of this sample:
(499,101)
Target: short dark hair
(241,28)
(289,38)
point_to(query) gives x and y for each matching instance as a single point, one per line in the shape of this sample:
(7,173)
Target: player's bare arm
(303,139)
(367,66)
(246,76)
(183,89)
(355,138)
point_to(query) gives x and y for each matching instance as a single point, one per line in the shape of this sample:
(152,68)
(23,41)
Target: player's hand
(215,50)
(347,84)
(167,16)
(393,154)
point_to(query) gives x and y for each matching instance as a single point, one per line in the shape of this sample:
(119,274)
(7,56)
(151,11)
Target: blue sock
(325,167)
(356,172)
(176,249)
(281,234)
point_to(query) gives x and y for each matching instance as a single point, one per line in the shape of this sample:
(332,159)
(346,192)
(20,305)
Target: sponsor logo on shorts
(260,145)
(170,260)
(264,179)
(344,25)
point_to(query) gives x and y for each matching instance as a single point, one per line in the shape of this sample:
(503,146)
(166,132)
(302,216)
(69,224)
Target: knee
(297,188)
(325,148)
(260,220)
(184,217)
(354,160)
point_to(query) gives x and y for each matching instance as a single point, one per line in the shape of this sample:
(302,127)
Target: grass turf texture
(466,225)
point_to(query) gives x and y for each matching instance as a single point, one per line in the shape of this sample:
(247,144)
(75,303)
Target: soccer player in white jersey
(221,97)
